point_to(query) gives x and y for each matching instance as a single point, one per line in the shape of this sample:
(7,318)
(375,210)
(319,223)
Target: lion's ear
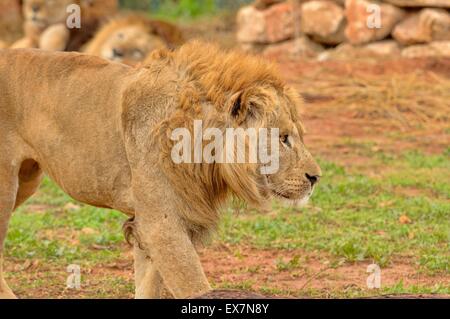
(243,108)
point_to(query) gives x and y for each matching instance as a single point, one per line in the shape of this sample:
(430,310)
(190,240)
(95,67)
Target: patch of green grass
(291,264)
(57,234)
(351,216)
(173,9)
(401,288)
(357,217)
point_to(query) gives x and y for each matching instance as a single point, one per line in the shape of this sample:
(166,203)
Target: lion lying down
(101,131)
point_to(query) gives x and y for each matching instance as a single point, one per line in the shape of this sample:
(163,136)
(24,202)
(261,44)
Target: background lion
(45,23)
(10,20)
(129,39)
(101,131)
(94,13)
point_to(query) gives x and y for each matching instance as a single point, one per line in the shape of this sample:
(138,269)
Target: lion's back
(57,84)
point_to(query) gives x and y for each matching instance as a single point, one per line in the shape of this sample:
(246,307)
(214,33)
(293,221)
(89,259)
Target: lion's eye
(285,140)
(138,54)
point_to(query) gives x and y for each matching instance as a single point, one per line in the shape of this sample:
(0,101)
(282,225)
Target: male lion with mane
(130,39)
(101,130)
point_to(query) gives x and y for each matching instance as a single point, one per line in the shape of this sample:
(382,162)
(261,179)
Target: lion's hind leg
(16,186)
(9,185)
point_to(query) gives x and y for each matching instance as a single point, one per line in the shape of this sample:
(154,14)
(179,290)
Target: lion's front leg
(149,284)
(166,258)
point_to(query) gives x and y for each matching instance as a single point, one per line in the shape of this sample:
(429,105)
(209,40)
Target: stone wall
(308,27)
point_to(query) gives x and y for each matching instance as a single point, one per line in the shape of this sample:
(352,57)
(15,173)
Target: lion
(10,20)
(129,39)
(45,24)
(93,13)
(103,131)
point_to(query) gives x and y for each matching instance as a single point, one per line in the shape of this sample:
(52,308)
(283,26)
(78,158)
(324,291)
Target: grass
(408,100)
(64,235)
(356,217)
(185,9)
(352,217)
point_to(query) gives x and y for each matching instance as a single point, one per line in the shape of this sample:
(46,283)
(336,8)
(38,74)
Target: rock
(346,51)
(386,47)
(433,49)
(302,46)
(273,25)
(362,25)
(420,3)
(324,21)
(425,26)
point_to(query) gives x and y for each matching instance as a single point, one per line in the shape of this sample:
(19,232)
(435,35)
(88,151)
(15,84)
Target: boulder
(362,21)
(273,25)
(386,47)
(324,21)
(346,51)
(302,46)
(423,27)
(420,3)
(433,49)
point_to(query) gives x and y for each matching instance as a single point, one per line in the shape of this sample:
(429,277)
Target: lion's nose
(35,7)
(117,53)
(313,179)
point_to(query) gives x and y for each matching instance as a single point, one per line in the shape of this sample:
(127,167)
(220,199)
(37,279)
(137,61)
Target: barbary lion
(45,24)
(103,132)
(129,39)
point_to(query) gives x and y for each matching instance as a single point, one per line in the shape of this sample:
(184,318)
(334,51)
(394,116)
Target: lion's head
(129,39)
(130,45)
(234,91)
(43,13)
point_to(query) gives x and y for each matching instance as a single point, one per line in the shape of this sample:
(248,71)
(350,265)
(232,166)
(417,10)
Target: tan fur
(39,15)
(129,39)
(101,131)
(94,13)
(45,23)
(10,20)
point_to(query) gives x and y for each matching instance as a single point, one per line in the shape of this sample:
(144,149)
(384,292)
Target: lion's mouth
(280,194)
(292,199)
(38,21)
(297,201)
